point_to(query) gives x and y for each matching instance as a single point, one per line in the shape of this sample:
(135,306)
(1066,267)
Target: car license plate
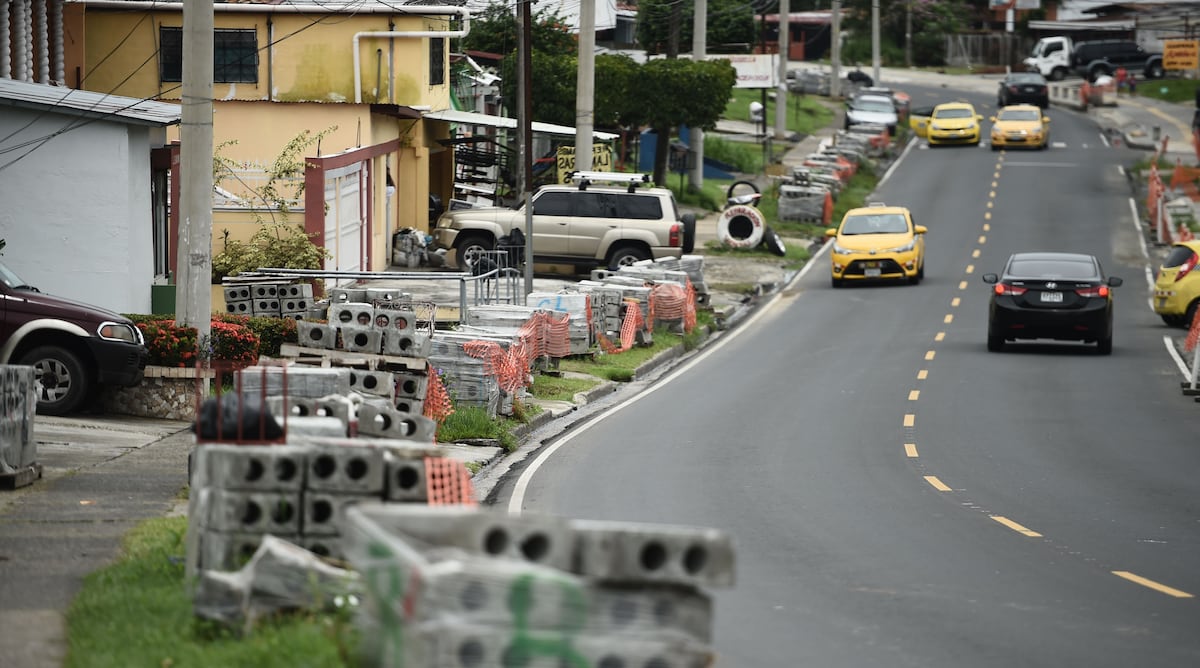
(1052,297)
(873,273)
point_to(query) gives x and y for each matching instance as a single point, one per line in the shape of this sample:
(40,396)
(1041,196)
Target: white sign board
(753,71)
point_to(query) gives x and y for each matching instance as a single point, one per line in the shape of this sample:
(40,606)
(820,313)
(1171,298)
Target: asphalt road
(897,494)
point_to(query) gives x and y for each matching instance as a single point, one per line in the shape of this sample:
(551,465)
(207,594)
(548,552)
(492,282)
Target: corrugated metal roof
(88,104)
(475,118)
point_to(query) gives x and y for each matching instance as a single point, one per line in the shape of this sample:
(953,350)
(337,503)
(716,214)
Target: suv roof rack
(584,179)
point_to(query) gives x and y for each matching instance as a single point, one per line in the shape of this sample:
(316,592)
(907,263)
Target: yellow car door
(918,120)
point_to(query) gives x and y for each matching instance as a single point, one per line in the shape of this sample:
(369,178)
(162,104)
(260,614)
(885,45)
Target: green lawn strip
(137,612)
(561,388)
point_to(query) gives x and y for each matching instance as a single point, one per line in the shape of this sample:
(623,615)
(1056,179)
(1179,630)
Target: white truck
(1051,57)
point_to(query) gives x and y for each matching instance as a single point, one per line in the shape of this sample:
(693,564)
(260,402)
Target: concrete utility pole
(835,56)
(781,91)
(525,127)
(193,273)
(585,86)
(699,53)
(908,34)
(875,40)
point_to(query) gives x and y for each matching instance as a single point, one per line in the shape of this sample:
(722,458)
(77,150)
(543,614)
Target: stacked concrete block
(300,381)
(406,343)
(376,383)
(295,300)
(411,385)
(238,299)
(491,583)
(347,295)
(632,554)
(577,305)
(405,479)
(316,335)
(265,299)
(18,448)
(387,422)
(362,340)
(351,315)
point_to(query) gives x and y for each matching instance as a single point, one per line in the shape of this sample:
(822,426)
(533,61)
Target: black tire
(1057,74)
(624,256)
(835,282)
(1169,320)
(773,242)
(1155,71)
(689,232)
(921,271)
(471,247)
(62,382)
(1104,346)
(995,148)
(995,343)
(729,192)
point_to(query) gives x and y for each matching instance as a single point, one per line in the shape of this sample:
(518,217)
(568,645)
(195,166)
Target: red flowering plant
(231,343)
(168,343)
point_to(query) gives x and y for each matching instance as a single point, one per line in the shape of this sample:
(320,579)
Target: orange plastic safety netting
(670,301)
(1193,335)
(438,405)
(547,334)
(509,367)
(629,328)
(448,482)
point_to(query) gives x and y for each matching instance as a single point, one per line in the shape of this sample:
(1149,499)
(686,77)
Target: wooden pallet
(370,361)
(21,477)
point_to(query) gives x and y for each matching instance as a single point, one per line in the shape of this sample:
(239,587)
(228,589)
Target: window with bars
(437,61)
(235,55)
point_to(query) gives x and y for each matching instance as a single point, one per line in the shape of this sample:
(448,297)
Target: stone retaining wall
(165,392)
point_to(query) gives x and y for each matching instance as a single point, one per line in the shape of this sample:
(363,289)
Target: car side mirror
(992,119)
(1045,119)
(1115,281)
(831,232)
(919,229)
(991,279)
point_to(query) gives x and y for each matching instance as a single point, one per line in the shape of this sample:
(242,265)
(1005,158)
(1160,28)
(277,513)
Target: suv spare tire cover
(689,232)
(741,226)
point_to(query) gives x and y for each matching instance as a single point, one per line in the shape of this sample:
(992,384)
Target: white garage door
(345,217)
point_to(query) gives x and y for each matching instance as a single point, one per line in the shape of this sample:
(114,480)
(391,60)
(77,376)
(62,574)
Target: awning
(475,118)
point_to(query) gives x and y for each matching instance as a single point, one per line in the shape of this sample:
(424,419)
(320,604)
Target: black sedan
(1023,88)
(1061,296)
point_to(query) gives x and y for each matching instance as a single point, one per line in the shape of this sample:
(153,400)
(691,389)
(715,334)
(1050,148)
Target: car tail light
(676,238)
(1013,88)
(1010,290)
(1093,291)
(1188,265)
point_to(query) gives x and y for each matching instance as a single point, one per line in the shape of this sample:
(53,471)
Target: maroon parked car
(73,347)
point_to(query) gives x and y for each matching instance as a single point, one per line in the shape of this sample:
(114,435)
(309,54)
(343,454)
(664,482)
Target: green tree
(495,31)
(932,21)
(615,100)
(674,92)
(730,26)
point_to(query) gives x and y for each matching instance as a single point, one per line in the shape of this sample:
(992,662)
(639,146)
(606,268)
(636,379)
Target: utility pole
(699,53)
(835,41)
(193,271)
(781,91)
(525,127)
(875,40)
(908,34)
(585,86)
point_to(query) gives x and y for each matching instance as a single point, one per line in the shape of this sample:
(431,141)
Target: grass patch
(137,612)
(1182,91)
(620,367)
(473,422)
(560,388)
(805,113)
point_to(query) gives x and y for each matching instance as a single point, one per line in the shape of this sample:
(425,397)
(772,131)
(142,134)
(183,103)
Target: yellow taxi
(953,123)
(1020,125)
(1177,286)
(877,242)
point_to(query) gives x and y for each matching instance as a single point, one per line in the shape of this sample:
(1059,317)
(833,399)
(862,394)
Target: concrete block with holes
(251,468)
(348,296)
(386,422)
(351,315)
(401,320)
(410,405)
(247,512)
(376,383)
(406,343)
(296,291)
(314,425)
(650,553)
(237,293)
(316,335)
(294,305)
(362,340)
(264,290)
(244,307)
(374,295)
(302,381)
(265,306)
(18,447)
(411,384)
(224,550)
(323,511)
(354,469)
(406,478)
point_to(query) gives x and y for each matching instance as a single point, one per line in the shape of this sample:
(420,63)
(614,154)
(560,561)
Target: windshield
(875,223)
(9,278)
(955,112)
(1019,115)
(879,106)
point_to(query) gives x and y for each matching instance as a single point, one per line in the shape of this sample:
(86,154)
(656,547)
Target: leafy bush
(169,344)
(232,343)
(272,333)
(173,345)
(279,245)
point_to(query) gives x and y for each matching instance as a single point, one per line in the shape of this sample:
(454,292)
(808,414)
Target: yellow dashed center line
(909,419)
(975,253)
(937,484)
(941,335)
(970,269)
(1169,591)
(1016,527)
(913,395)
(955,302)
(922,374)
(929,355)
(910,449)
(982,239)
(987,227)
(987,215)
(948,319)
(962,285)
(997,174)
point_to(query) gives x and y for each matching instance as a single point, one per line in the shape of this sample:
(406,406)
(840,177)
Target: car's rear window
(1178,256)
(639,207)
(554,204)
(1052,269)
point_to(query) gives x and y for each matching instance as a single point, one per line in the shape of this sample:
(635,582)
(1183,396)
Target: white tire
(741,226)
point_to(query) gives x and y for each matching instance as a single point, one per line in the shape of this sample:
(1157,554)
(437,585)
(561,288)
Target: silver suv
(581,223)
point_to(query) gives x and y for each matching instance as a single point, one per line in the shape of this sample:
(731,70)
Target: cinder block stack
(596,593)
(295,300)
(576,304)
(466,377)
(265,298)
(18,449)
(298,491)
(238,299)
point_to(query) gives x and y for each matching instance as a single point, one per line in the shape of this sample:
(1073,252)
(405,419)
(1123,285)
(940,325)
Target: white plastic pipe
(445,34)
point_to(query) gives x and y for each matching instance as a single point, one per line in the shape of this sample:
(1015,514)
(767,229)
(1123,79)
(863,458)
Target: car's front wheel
(1104,346)
(626,256)
(472,248)
(62,382)
(995,343)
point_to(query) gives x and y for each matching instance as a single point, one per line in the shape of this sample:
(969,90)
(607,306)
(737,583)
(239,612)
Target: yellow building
(354,78)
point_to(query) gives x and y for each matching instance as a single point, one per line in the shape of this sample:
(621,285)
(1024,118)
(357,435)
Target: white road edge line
(1183,368)
(518,496)
(1104,140)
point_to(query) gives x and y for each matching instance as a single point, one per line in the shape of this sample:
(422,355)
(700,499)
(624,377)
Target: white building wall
(76,213)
